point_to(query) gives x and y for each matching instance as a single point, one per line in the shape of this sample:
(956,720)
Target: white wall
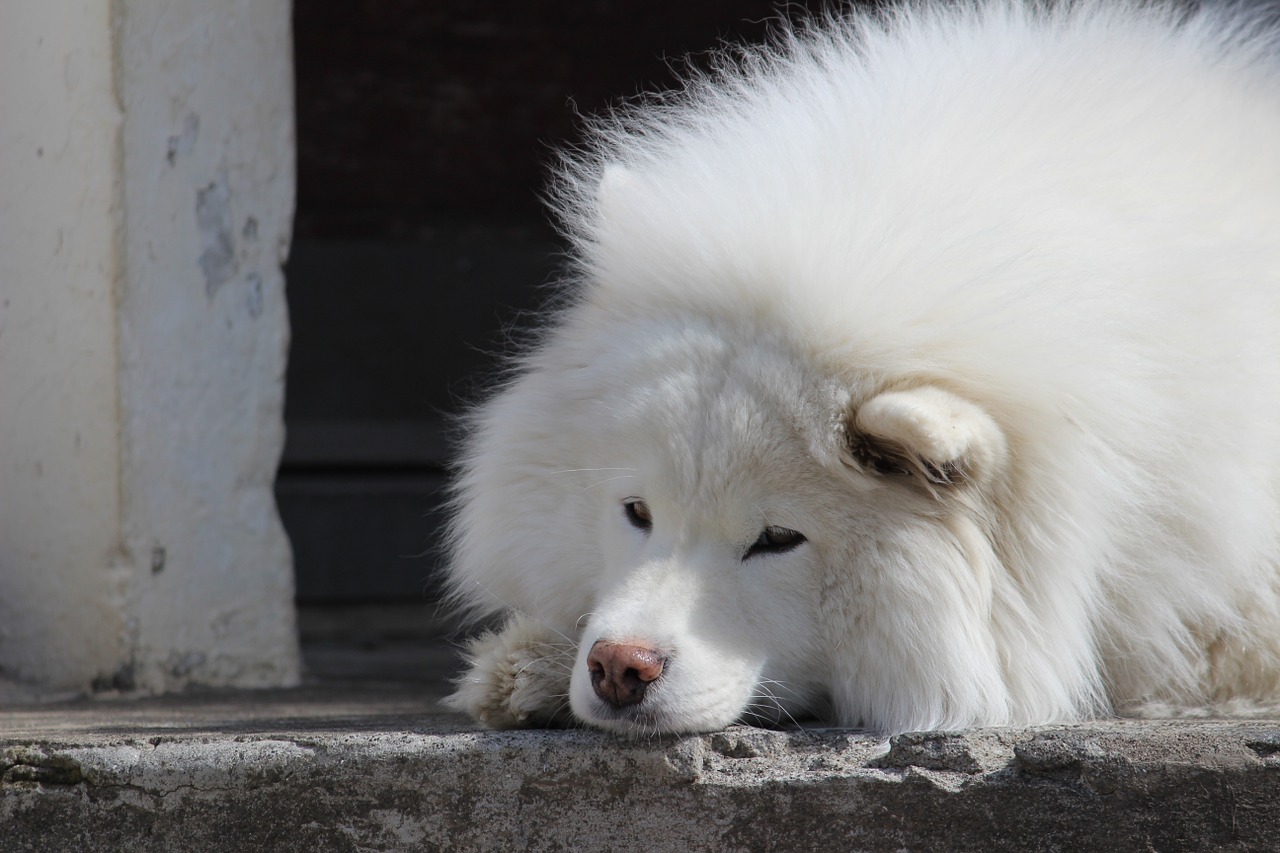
(146,193)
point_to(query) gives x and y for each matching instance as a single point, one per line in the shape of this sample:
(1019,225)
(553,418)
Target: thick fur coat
(919,370)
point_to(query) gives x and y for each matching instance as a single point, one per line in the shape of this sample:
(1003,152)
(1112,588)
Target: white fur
(981,299)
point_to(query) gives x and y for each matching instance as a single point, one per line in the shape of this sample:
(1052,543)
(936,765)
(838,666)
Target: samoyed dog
(919,370)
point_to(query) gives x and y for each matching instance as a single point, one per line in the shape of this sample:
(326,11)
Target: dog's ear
(927,432)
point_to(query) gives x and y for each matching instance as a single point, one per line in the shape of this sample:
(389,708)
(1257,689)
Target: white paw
(516,677)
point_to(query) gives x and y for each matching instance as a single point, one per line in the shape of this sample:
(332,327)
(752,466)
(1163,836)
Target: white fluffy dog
(921,370)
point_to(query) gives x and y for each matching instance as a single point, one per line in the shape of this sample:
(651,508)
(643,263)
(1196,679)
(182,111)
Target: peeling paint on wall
(213,218)
(253,300)
(184,142)
(183,665)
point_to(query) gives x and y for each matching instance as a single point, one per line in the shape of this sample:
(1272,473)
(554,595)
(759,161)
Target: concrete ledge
(374,767)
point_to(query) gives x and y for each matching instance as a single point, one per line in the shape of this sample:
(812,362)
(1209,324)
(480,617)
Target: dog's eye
(637,512)
(888,466)
(774,540)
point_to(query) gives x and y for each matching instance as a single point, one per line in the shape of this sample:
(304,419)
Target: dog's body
(923,371)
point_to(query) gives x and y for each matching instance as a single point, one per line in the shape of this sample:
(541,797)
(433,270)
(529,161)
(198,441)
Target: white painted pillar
(146,197)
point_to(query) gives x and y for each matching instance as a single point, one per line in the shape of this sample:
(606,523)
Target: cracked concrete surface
(376,766)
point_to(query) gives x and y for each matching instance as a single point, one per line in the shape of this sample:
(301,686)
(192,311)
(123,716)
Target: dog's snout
(622,672)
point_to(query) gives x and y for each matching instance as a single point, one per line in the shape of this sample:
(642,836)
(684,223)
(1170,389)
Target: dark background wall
(425,130)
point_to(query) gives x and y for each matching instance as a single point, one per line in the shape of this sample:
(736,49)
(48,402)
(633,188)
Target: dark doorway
(425,130)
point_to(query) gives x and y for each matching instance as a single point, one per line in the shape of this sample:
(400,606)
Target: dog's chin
(653,718)
(647,720)
(656,715)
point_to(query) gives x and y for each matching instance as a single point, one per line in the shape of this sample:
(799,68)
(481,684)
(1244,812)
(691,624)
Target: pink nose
(621,672)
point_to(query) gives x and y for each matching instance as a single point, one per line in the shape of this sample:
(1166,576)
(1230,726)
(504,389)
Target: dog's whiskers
(591,486)
(772,709)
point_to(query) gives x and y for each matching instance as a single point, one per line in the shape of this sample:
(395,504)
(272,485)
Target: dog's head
(733,534)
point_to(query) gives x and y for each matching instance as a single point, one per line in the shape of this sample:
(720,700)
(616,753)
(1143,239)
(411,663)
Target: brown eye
(637,512)
(774,540)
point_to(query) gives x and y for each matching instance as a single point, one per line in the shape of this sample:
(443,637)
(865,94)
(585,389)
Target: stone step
(372,765)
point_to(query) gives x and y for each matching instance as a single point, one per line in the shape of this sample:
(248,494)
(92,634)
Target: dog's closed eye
(637,512)
(774,540)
